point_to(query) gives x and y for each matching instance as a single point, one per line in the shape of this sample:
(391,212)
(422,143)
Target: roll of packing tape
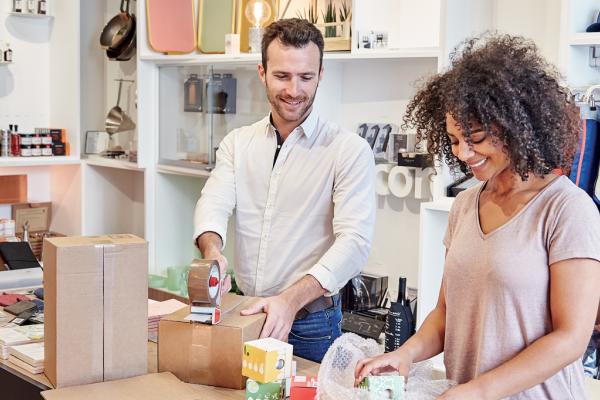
(381,179)
(400,181)
(204,282)
(423,181)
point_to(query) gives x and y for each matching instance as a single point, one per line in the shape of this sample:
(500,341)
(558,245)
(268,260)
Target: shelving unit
(182,171)
(30,15)
(38,161)
(116,164)
(585,39)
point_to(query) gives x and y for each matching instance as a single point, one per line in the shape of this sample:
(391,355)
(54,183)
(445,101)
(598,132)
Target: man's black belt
(319,304)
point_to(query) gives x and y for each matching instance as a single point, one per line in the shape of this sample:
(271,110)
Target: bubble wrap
(336,374)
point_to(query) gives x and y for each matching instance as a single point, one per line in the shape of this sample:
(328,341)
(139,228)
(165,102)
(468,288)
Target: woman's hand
(396,361)
(467,391)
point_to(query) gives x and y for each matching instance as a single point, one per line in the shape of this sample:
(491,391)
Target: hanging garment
(586,163)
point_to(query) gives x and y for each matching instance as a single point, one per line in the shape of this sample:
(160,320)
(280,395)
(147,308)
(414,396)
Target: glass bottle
(192,94)
(31,6)
(18,6)
(8,53)
(42,7)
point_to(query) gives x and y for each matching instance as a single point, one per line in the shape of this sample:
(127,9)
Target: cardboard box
(265,391)
(145,387)
(303,387)
(96,322)
(208,354)
(385,386)
(266,360)
(13,189)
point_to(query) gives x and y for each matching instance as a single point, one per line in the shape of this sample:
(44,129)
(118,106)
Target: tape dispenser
(204,289)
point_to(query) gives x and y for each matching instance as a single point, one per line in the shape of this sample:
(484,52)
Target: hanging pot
(126,50)
(118,28)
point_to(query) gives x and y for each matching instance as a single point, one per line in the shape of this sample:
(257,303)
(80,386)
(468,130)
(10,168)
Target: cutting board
(171,26)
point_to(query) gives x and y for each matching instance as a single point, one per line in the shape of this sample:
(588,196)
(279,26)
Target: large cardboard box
(96,311)
(208,354)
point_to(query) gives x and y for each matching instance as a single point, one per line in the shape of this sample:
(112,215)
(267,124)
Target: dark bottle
(8,53)
(192,94)
(399,324)
(42,7)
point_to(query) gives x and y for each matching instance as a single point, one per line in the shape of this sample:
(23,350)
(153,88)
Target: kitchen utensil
(118,28)
(116,119)
(126,50)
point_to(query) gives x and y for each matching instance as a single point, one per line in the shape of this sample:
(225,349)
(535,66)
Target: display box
(385,386)
(265,391)
(13,189)
(303,388)
(209,354)
(96,308)
(266,360)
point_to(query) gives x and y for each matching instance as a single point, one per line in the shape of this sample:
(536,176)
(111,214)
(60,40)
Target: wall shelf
(585,39)
(253,58)
(111,163)
(182,171)
(38,161)
(29,15)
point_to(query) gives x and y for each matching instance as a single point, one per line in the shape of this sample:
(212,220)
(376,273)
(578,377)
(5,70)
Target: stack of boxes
(272,374)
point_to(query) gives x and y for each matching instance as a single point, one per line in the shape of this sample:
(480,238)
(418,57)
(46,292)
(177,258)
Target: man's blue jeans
(312,336)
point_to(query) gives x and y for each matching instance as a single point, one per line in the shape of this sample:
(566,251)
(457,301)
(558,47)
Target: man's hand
(209,244)
(280,316)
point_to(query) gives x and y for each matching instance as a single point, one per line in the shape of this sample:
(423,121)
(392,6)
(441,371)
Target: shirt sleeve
(217,198)
(576,231)
(353,217)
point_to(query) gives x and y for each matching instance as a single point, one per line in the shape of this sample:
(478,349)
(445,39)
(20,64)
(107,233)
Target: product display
(192,92)
(221,91)
(400,322)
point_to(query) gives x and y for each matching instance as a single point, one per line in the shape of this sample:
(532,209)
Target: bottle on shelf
(8,57)
(4,143)
(42,7)
(31,6)
(400,322)
(15,141)
(18,6)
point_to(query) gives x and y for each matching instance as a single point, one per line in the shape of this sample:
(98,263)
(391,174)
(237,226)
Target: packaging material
(208,354)
(266,360)
(336,374)
(385,386)
(96,318)
(13,189)
(39,218)
(265,391)
(146,387)
(303,388)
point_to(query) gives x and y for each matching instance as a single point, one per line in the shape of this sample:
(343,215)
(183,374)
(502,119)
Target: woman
(522,274)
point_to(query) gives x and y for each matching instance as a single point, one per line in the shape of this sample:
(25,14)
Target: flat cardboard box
(96,308)
(146,387)
(209,354)
(13,189)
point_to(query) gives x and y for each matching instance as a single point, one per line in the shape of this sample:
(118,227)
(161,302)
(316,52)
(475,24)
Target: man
(304,199)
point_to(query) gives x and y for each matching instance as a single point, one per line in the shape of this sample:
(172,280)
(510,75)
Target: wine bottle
(399,324)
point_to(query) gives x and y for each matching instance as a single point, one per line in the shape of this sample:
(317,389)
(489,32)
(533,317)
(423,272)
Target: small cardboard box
(303,387)
(208,354)
(96,311)
(385,386)
(265,391)
(266,360)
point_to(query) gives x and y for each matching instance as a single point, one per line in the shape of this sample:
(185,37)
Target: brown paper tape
(204,282)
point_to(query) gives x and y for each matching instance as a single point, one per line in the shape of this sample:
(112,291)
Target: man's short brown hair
(294,32)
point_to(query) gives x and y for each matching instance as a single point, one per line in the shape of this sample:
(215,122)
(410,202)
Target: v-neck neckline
(514,217)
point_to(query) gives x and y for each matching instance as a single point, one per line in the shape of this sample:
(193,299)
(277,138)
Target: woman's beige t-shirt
(497,284)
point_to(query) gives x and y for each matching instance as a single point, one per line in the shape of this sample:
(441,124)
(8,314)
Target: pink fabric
(7,299)
(497,284)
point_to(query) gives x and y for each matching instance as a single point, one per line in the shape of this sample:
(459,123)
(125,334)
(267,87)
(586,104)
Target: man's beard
(275,104)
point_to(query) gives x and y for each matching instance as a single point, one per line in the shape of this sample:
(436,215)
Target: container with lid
(26,150)
(47,150)
(36,150)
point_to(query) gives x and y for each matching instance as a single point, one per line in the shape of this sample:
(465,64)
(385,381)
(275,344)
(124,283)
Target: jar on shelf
(26,150)
(192,94)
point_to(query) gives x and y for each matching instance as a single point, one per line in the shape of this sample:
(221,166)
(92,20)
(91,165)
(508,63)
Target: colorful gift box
(385,386)
(303,387)
(267,360)
(264,391)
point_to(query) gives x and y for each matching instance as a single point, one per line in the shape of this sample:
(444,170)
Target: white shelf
(585,39)
(5,62)
(251,58)
(29,15)
(442,204)
(182,171)
(110,163)
(38,161)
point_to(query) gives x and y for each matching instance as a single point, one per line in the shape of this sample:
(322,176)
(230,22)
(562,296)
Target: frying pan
(118,28)
(126,49)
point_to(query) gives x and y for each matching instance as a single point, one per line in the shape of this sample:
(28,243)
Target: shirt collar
(308,127)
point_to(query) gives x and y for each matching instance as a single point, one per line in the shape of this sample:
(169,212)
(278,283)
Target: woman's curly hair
(500,81)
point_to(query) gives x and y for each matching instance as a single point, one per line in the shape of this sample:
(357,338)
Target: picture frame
(96,142)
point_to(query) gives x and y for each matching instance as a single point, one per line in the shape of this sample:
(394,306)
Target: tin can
(4,143)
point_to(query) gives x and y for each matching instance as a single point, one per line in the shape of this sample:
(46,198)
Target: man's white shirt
(311,213)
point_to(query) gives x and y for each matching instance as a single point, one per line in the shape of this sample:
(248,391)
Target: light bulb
(257,12)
